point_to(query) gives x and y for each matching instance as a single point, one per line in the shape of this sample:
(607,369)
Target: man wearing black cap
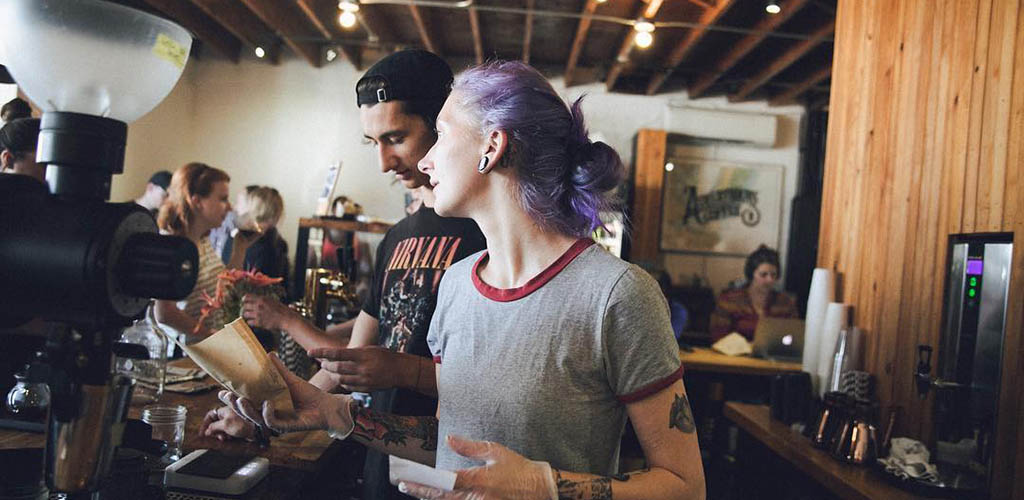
(399,99)
(156,192)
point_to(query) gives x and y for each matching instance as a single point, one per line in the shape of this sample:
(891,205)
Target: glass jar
(149,374)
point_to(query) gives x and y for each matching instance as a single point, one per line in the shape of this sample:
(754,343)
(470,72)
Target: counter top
(703,359)
(298,450)
(850,482)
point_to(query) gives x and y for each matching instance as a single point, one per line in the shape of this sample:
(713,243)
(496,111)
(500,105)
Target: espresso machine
(967,375)
(69,260)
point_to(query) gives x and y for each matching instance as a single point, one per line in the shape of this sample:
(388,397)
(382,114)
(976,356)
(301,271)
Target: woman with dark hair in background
(197,202)
(545,342)
(739,309)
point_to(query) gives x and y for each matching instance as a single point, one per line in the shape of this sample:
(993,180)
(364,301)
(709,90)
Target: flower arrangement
(232,285)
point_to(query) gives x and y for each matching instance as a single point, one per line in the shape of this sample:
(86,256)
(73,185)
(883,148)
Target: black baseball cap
(407,75)
(161,178)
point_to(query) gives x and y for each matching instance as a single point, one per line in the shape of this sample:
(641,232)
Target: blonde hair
(265,205)
(198,179)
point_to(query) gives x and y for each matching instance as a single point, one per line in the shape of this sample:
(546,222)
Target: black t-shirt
(410,262)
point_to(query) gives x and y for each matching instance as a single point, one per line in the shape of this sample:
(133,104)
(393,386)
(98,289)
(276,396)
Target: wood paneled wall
(925,139)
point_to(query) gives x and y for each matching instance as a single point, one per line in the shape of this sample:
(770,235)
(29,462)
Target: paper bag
(235,359)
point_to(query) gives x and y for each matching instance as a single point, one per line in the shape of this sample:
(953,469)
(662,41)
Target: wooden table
(851,482)
(703,359)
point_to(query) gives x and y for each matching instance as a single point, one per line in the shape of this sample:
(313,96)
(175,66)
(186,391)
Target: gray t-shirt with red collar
(547,369)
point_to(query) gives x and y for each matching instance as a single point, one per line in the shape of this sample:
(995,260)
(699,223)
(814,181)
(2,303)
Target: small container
(168,424)
(28,399)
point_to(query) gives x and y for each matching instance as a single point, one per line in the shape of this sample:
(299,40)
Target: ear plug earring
(482,165)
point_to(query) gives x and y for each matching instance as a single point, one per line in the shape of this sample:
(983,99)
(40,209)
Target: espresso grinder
(68,258)
(967,375)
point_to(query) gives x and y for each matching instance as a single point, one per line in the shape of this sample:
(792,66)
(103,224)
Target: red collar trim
(510,294)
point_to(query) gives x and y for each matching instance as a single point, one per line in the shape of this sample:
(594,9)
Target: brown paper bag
(235,359)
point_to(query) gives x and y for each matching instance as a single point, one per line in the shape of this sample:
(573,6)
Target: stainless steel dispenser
(970,360)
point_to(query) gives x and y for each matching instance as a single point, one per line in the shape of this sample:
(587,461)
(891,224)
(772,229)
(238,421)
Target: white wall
(617,117)
(283,125)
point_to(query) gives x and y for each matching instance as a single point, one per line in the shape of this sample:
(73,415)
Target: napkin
(413,472)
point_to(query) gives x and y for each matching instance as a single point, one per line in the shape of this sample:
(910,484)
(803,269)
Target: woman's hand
(504,475)
(266,312)
(223,423)
(314,409)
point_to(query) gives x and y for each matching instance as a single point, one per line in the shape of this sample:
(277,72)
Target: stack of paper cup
(835,320)
(822,292)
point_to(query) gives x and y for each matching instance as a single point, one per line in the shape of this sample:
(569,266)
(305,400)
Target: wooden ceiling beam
(784,61)
(351,53)
(242,23)
(726,62)
(622,56)
(281,17)
(789,95)
(196,21)
(478,42)
(703,3)
(580,40)
(421,27)
(528,31)
(686,45)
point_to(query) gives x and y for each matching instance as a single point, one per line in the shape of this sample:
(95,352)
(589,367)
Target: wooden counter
(703,359)
(851,482)
(305,451)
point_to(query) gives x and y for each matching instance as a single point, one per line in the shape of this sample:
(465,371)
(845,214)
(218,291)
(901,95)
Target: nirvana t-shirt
(411,260)
(547,369)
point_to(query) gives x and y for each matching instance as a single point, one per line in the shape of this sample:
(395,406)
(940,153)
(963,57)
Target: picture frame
(323,203)
(720,208)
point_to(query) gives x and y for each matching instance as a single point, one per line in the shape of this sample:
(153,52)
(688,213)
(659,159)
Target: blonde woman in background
(269,253)
(197,202)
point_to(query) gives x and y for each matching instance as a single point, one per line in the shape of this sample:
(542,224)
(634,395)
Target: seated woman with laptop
(738,310)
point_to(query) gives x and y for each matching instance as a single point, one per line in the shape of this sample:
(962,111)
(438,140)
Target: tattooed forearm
(393,429)
(598,488)
(680,415)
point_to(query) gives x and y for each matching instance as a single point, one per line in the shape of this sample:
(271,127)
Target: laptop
(780,339)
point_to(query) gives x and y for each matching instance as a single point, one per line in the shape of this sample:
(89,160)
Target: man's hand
(314,409)
(505,474)
(369,368)
(223,423)
(266,312)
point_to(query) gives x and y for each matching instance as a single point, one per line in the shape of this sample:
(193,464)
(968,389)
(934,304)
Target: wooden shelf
(850,482)
(344,225)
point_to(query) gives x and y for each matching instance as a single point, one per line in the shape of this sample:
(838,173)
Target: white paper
(733,344)
(822,292)
(835,320)
(414,472)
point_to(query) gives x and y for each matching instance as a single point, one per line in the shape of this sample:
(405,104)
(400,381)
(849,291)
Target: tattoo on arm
(394,429)
(598,488)
(680,415)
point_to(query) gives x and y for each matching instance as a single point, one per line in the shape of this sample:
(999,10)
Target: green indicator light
(971,292)
(974,281)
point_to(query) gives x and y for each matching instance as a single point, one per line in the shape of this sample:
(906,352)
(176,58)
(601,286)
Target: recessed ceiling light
(260,52)
(772,7)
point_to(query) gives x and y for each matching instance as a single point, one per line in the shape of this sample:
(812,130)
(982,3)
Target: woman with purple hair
(544,343)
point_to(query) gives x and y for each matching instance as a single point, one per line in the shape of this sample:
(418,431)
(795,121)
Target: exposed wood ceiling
(708,47)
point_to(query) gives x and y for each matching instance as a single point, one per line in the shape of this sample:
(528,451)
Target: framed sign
(720,208)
